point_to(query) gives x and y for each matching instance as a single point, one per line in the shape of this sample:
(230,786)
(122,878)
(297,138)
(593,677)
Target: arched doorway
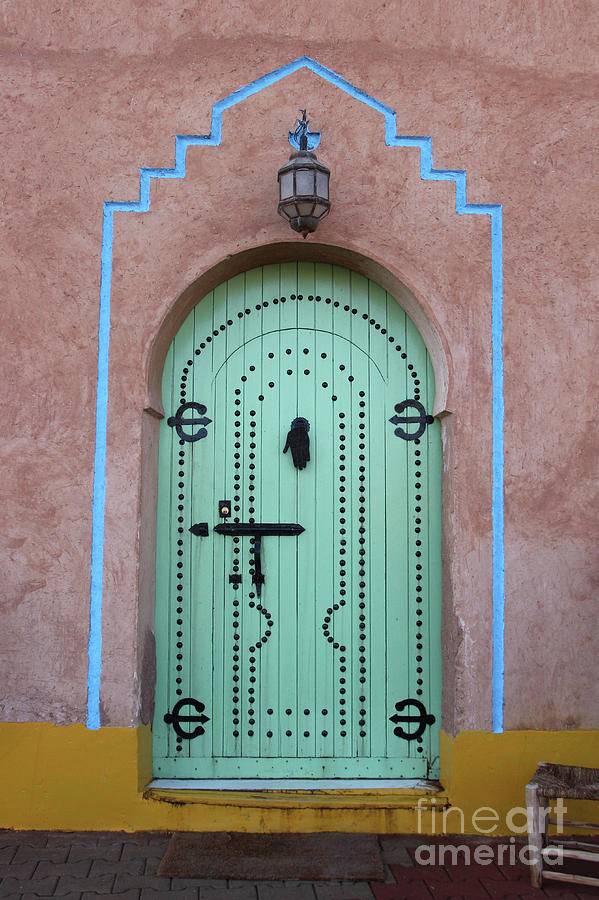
(298,591)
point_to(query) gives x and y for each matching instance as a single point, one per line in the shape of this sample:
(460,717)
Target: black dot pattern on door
(236,617)
(246,452)
(361,553)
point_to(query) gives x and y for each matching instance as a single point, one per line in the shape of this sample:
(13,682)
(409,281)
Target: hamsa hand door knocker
(299,442)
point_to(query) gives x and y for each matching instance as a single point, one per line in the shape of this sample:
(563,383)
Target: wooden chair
(550,782)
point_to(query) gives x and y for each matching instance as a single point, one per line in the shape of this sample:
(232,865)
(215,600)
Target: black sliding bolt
(257,530)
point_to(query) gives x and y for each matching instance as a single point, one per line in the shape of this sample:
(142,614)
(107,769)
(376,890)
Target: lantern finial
(302,138)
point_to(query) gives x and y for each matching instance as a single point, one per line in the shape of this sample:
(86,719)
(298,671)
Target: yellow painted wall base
(69,778)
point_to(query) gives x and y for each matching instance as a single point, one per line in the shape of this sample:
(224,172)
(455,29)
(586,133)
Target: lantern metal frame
(303,185)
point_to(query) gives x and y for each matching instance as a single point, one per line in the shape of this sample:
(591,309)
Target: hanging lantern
(304,182)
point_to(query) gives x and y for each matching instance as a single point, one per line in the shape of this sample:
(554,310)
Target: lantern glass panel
(304,181)
(305,209)
(322,185)
(286,185)
(319,210)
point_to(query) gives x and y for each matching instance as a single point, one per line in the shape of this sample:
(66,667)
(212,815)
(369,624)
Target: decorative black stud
(175,718)
(299,442)
(422,719)
(422,420)
(177,421)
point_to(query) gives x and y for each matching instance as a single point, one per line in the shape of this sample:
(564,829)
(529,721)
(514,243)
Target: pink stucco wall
(507,92)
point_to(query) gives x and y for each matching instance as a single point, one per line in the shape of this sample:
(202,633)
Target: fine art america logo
(486,821)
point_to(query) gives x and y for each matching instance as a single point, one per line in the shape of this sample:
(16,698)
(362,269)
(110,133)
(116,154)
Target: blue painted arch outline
(427,173)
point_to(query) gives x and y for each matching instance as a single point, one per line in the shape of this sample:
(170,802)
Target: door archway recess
(298,594)
(427,173)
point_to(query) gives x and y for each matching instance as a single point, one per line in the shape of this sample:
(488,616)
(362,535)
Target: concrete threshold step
(297,793)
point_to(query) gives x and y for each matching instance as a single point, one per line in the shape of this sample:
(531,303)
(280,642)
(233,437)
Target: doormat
(272,857)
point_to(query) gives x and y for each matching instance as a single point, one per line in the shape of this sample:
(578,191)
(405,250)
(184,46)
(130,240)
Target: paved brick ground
(85,866)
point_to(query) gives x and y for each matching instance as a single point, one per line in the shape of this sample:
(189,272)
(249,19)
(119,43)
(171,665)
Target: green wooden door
(298,628)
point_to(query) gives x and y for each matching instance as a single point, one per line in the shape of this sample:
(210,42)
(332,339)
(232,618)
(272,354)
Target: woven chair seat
(575,782)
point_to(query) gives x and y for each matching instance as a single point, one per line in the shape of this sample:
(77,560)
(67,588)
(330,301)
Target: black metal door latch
(239,529)
(257,577)
(257,531)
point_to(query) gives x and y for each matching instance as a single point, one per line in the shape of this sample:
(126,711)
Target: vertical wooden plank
(359,467)
(219,327)
(305,289)
(325,542)
(288,512)
(253,319)
(258,607)
(235,687)
(344,441)
(226,360)
(360,301)
(346,619)
(235,333)
(211,591)
(270,293)
(227,600)
(204,585)
(341,296)
(250,617)
(369,463)
(208,589)
(180,601)
(326,528)
(252,505)
(203,327)
(369,406)
(201,510)
(397,524)
(323,287)
(221,597)
(271,447)
(307,483)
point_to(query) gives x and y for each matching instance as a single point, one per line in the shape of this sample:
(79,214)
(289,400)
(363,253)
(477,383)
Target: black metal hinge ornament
(175,718)
(299,442)
(177,421)
(422,719)
(422,419)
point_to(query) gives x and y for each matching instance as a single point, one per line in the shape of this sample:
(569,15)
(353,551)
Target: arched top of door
(416,307)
